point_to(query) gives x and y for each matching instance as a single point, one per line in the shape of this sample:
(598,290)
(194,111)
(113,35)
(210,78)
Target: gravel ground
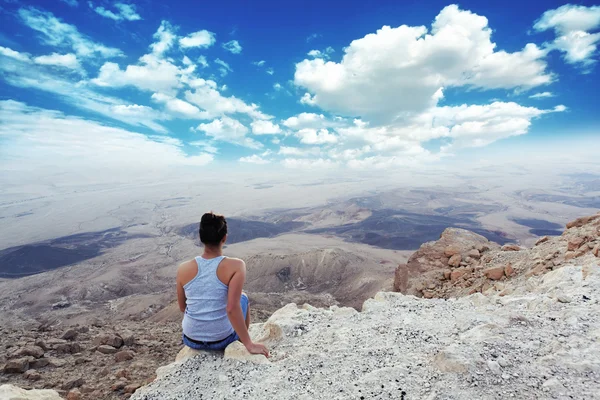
(542,341)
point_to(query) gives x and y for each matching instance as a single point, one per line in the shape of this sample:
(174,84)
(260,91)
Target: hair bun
(213,228)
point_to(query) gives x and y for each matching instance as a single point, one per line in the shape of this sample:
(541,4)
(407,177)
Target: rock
(509,270)
(400,278)
(74,394)
(237,351)
(39,363)
(541,240)
(32,375)
(447,274)
(106,349)
(574,244)
(495,273)
(494,367)
(17,365)
(33,351)
(10,392)
(451,360)
(596,250)
(108,339)
(474,254)
(511,247)
(187,352)
(70,334)
(83,329)
(56,362)
(124,355)
(61,304)
(119,385)
(563,299)
(455,260)
(128,338)
(579,222)
(68,348)
(72,383)
(39,342)
(457,273)
(123,373)
(451,251)
(131,388)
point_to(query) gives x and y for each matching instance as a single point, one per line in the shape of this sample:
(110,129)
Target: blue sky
(309,85)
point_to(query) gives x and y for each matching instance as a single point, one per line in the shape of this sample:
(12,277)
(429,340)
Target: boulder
(68,348)
(39,363)
(32,375)
(495,273)
(579,222)
(511,247)
(119,385)
(451,250)
(17,365)
(237,351)
(455,260)
(401,278)
(72,383)
(11,392)
(457,273)
(541,240)
(596,250)
(70,334)
(509,270)
(33,351)
(574,243)
(474,253)
(74,394)
(108,339)
(106,349)
(39,342)
(131,388)
(124,355)
(128,338)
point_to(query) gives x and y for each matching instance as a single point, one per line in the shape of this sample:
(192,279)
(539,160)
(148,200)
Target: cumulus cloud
(201,39)
(254,159)
(177,106)
(321,54)
(299,151)
(572,25)
(7,52)
(56,33)
(263,127)
(124,12)
(71,3)
(314,136)
(229,130)
(233,46)
(165,38)
(397,72)
(49,139)
(202,61)
(69,61)
(306,163)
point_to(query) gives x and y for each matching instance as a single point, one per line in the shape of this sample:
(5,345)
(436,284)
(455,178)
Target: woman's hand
(257,348)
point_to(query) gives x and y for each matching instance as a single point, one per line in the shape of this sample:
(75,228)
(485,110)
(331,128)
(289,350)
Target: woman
(209,293)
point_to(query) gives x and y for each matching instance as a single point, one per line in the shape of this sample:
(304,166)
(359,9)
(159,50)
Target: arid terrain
(106,269)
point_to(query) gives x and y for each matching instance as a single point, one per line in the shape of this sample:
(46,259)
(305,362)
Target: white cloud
(398,72)
(208,147)
(321,54)
(572,25)
(259,63)
(305,163)
(151,74)
(299,151)
(165,38)
(225,68)
(306,120)
(202,61)
(69,61)
(125,12)
(5,51)
(312,37)
(177,106)
(233,46)
(262,127)
(229,130)
(254,159)
(270,71)
(40,138)
(277,86)
(541,95)
(307,99)
(202,39)
(59,34)
(314,136)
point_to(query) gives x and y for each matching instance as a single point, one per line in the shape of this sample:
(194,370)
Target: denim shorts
(221,344)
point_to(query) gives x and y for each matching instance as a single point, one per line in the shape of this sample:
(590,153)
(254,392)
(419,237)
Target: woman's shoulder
(231,261)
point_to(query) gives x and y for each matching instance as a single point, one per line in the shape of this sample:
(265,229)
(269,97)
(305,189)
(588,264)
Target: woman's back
(205,317)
